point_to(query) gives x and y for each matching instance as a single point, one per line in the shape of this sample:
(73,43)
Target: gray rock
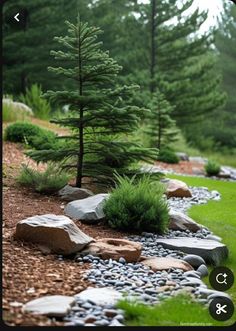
(182,156)
(218,294)
(210,250)
(56,232)
(53,305)
(100,296)
(213,237)
(202,269)
(194,260)
(70,193)
(192,274)
(180,221)
(89,210)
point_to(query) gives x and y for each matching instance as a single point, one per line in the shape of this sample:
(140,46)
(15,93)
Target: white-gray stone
(210,250)
(103,296)
(182,156)
(213,237)
(70,193)
(194,260)
(89,210)
(180,221)
(202,269)
(52,305)
(56,232)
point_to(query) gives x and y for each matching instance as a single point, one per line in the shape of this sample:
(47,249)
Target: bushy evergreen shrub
(137,205)
(167,155)
(33,136)
(21,132)
(212,168)
(49,181)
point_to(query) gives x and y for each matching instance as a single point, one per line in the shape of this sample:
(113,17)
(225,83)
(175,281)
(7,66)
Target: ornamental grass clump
(137,205)
(49,181)
(212,168)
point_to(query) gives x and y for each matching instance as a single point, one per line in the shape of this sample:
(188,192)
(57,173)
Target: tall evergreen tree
(26,48)
(161,127)
(166,51)
(226,45)
(100,110)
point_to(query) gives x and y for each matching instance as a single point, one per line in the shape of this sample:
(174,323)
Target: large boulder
(176,188)
(115,249)
(211,251)
(164,263)
(100,296)
(51,305)
(89,210)
(182,222)
(70,193)
(56,232)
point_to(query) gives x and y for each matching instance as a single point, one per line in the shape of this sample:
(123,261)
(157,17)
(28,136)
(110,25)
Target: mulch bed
(27,272)
(183,167)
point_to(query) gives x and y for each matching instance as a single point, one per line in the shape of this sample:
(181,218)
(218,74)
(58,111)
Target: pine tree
(26,49)
(100,111)
(226,45)
(161,127)
(167,51)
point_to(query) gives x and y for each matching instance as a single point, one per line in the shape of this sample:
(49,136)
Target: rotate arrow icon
(16,17)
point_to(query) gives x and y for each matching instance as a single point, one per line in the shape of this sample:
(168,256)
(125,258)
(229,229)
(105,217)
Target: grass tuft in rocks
(137,205)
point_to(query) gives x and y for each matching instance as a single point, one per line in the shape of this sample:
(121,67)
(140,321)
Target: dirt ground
(183,167)
(27,272)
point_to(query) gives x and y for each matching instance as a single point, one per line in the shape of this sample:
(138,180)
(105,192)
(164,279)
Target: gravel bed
(136,281)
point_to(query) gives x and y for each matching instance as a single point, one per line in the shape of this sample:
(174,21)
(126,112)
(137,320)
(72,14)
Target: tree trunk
(81,134)
(152,53)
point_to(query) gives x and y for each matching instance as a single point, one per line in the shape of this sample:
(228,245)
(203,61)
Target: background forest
(159,48)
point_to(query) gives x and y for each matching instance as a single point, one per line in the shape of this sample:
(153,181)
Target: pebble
(202,269)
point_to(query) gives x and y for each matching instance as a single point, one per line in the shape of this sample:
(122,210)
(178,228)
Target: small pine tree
(100,111)
(161,127)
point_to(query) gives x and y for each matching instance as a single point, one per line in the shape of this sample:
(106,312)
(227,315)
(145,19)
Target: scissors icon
(221,278)
(221,309)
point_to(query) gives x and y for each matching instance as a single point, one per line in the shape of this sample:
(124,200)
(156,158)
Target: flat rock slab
(176,188)
(89,210)
(113,248)
(70,193)
(164,263)
(57,233)
(100,296)
(53,305)
(182,222)
(211,251)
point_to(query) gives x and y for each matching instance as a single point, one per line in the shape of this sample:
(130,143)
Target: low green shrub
(167,155)
(45,140)
(49,181)
(212,168)
(137,205)
(33,98)
(21,132)
(33,136)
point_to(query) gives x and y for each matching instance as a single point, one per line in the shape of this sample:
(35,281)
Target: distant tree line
(159,48)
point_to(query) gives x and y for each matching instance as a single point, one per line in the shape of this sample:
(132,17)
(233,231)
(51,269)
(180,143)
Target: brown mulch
(27,272)
(183,167)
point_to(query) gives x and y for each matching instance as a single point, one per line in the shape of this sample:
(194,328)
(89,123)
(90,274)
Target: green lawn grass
(219,217)
(181,310)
